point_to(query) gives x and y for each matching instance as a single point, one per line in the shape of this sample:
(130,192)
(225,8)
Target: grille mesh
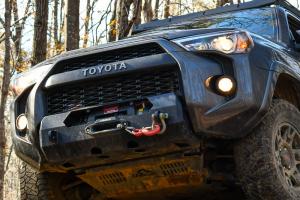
(120,89)
(174,168)
(110,56)
(112,178)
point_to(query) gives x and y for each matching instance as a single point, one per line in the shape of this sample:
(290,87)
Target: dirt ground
(224,194)
(11,179)
(211,196)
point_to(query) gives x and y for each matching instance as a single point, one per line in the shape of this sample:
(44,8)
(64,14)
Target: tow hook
(158,126)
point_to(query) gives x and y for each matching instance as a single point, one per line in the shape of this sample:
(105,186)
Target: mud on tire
(268,160)
(52,186)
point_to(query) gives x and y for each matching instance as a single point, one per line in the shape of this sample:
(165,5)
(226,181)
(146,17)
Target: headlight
(22,81)
(228,42)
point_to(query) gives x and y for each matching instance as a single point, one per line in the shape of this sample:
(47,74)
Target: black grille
(109,57)
(129,87)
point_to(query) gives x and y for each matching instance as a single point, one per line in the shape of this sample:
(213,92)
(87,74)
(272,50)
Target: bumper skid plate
(151,175)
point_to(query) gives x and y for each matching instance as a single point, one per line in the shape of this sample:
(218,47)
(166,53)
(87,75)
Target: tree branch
(2,22)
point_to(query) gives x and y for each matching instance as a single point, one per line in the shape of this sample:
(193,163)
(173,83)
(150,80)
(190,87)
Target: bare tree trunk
(136,18)
(72,25)
(4,92)
(50,36)
(112,26)
(156,9)
(120,26)
(166,8)
(40,31)
(147,10)
(55,25)
(123,7)
(86,23)
(18,31)
(61,20)
(137,11)
(121,19)
(19,26)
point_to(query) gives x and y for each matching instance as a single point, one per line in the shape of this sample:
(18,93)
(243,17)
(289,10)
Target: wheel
(53,186)
(268,160)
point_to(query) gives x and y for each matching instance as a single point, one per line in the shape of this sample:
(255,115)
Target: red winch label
(112,109)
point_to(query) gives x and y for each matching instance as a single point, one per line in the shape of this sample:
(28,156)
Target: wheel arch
(287,88)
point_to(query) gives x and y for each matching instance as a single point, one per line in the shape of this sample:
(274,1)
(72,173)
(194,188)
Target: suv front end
(67,114)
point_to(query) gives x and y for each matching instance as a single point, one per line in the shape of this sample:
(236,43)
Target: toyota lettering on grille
(104,68)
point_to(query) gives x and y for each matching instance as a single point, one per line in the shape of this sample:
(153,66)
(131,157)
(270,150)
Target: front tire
(52,186)
(268,160)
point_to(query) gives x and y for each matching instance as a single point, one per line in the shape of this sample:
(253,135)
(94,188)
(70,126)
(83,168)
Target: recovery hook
(158,126)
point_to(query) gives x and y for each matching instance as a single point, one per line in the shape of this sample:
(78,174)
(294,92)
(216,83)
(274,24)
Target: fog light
(225,85)
(21,122)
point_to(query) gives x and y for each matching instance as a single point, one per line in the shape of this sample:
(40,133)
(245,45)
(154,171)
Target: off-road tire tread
(33,185)
(255,163)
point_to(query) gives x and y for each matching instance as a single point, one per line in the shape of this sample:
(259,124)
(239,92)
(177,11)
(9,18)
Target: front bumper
(198,113)
(73,148)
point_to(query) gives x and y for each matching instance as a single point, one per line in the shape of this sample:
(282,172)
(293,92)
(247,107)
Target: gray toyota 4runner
(188,103)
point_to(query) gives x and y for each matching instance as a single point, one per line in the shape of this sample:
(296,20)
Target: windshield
(261,21)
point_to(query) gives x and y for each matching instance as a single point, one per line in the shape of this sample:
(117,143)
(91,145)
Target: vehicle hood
(168,34)
(171,34)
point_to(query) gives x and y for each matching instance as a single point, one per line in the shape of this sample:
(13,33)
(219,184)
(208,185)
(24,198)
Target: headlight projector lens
(21,122)
(224,44)
(226,85)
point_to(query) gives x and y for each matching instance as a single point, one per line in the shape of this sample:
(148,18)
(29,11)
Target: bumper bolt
(88,130)
(52,136)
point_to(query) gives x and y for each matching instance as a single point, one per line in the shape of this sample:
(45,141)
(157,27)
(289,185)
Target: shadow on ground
(207,194)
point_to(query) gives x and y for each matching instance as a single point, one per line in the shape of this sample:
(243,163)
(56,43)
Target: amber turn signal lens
(244,43)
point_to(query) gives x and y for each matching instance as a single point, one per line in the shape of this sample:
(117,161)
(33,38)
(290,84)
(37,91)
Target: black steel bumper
(198,113)
(73,147)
